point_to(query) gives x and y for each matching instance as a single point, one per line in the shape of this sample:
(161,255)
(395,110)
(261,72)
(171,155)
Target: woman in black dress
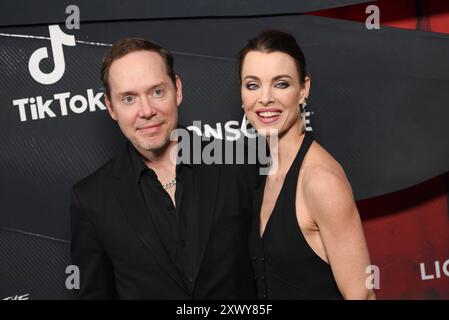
(307,240)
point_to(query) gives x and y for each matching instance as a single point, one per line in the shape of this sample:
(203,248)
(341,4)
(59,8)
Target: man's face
(143,99)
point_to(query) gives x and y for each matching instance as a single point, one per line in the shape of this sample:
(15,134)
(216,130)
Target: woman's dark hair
(274,40)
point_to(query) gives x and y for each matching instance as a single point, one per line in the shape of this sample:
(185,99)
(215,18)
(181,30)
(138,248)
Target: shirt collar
(139,165)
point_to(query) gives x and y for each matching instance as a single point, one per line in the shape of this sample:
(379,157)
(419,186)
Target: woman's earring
(245,122)
(251,132)
(302,108)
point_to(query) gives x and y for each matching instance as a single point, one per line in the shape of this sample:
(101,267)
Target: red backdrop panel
(408,231)
(404,230)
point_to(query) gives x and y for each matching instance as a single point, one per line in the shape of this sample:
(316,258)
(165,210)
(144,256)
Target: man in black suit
(145,227)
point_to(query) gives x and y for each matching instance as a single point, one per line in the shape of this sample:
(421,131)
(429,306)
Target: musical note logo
(58,38)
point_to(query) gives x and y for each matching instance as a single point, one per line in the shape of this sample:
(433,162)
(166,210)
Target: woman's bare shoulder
(319,161)
(324,183)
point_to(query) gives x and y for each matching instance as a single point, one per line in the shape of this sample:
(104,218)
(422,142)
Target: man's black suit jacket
(116,247)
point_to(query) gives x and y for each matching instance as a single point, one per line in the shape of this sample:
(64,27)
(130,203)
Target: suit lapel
(133,206)
(206,184)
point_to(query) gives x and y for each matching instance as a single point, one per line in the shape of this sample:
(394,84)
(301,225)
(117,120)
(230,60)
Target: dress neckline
(261,191)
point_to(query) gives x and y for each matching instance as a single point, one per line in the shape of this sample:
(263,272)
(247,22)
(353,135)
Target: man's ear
(178,91)
(110,108)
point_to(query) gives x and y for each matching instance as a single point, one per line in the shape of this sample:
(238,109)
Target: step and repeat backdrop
(378,103)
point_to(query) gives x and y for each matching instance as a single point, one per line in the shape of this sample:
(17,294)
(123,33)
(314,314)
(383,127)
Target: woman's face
(271,91)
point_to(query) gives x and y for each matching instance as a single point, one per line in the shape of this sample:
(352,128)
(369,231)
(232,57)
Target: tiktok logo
(57,38)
